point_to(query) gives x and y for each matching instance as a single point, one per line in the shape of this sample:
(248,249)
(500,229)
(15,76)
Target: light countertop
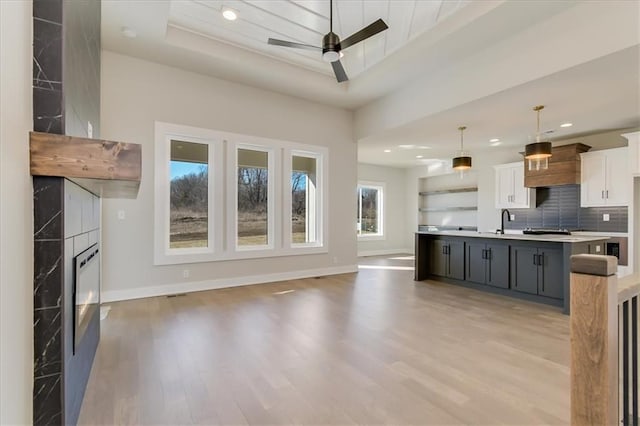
(522,237)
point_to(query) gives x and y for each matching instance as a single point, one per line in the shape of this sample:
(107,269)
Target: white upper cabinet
(510,190)
(634,152)
(605,178)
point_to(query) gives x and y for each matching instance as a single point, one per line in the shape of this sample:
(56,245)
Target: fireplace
(86,290)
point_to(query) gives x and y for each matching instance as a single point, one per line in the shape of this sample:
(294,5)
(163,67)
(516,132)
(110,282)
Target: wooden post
(594,340)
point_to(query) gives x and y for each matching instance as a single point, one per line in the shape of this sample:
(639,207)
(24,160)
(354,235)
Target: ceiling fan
(332,46)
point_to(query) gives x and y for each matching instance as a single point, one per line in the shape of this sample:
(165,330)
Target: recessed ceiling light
(566,125)
(418,156)
(387,150)
(495,143)
(128,32)
(494,140)
(229,15)
(406,146)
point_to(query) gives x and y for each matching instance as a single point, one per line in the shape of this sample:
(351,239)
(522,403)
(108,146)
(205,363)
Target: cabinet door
(550,282)
(504,187)
(524,269)
(437,258)
(475,262)
(618,178)
(456,259)
(498,265)
(520,192)
(592,180)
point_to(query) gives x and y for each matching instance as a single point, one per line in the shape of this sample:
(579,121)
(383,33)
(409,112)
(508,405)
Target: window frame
(222,215)
(232,200)
(163,253)
(380,187)
(321,212)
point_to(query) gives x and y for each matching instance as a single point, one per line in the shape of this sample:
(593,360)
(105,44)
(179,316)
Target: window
(223,196)
(305,196)
(254,194)
(189,195)
(370,210)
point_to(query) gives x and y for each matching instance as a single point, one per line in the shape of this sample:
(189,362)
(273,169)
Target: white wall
(16,215)
(135,93)
(394,200)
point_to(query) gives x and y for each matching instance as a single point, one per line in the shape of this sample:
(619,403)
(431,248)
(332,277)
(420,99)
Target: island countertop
(549,238)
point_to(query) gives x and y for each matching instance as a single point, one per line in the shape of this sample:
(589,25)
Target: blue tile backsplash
(558,207)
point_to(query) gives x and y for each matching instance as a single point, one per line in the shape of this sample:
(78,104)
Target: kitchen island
(531,267)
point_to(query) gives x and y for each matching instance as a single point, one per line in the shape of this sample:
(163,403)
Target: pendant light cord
(537,109)
(461,128)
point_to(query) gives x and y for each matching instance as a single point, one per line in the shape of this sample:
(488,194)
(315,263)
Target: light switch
(513,217)
(605,217)
(121,214)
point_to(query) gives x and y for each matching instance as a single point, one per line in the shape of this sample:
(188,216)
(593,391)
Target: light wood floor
(367,348)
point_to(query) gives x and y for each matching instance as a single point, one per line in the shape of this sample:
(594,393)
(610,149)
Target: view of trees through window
(368,210)
(189,189)
(298,207)
(253,197)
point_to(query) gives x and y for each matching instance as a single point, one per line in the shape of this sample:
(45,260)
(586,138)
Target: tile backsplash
(558,207)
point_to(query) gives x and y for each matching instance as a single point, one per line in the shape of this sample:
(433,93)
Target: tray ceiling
(306,21)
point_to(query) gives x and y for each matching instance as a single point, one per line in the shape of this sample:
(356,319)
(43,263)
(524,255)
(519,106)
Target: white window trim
(165,133)
(223,179)
(232,200)
(321,211)
(381,187)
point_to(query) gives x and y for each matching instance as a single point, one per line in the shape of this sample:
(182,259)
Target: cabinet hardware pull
(484,254)
(606,193)
(535,262)
(541,260)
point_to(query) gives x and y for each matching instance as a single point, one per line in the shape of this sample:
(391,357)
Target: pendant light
(462,162)
(538,153)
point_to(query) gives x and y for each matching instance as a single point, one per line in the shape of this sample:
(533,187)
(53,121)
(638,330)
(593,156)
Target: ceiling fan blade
(338,70)
(276,42)
(365,33)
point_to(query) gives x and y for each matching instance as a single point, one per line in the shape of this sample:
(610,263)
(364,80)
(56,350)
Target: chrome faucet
(501,231)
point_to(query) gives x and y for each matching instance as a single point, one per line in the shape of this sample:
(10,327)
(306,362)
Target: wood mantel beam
(107,168)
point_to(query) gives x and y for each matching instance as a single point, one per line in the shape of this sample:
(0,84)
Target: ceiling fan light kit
(462,162)
(539,152)
(332,47)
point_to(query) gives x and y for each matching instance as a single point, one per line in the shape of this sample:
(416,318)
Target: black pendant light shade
(461,162)
(539,152)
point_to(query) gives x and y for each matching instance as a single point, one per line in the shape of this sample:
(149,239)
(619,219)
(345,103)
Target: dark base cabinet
(446,258)
(525,268)
(537,270)
(487,264)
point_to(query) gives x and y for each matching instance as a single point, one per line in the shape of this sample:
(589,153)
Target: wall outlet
(598,248)
(185,273)
(121,214)
(513,217)
(89,130)
(605,217)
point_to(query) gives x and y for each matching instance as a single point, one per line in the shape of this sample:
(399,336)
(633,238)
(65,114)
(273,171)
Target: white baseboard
(188,287)
(384,252)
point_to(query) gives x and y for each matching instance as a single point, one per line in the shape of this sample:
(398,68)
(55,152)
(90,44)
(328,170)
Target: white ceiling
(306,21)
(426,40)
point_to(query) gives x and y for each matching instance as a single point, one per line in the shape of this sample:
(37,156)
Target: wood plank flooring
(368,348)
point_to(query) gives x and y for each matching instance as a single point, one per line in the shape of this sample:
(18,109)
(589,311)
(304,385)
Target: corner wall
(394,180)
(16,224)
(135,93)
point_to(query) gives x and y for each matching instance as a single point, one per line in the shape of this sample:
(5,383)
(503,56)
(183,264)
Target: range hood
(564,167)
(106,168)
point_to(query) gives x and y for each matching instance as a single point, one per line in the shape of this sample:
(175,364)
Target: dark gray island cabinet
(532,267)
